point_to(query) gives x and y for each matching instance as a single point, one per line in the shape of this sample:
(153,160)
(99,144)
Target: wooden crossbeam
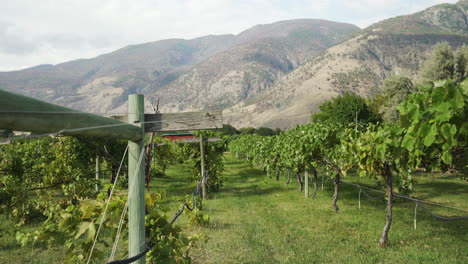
(186,121)
(191,140)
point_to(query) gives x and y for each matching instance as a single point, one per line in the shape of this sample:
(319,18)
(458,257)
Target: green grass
(259,220)
(12,252)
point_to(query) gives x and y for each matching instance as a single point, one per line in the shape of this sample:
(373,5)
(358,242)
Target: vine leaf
(82,228)
(408,142)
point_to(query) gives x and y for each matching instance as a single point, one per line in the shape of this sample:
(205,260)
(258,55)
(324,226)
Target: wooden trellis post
(136,180)
(204,180)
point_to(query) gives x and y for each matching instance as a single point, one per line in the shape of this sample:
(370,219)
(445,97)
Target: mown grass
(258,220)
(12,252)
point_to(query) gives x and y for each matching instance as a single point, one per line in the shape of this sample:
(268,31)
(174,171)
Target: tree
(346,109)
(247,130)
(440,65)
(395,90)
(265,131)
(228,130)
(461,64)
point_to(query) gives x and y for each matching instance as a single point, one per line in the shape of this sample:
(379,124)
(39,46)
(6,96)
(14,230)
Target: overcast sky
(36,32)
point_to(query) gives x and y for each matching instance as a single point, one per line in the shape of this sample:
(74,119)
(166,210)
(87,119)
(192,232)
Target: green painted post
(136,181)
(202,153)
(306,184)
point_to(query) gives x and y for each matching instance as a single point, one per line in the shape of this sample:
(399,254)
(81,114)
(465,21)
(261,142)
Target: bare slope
(394,46)
(265,53)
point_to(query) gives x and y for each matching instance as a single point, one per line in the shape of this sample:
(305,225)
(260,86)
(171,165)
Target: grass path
(259,220)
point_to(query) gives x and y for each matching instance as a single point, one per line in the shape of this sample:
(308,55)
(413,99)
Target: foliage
(247,130)
(395,90)
(343,110)
(461,63)
(35,171)
(435,120)
(265,131)
(304,148)
(214,163)
(75,226)
(431,122)
(163,156)
(378,152)
(444,64)
(196,216)
(171,245)
(261,131)
(228,130)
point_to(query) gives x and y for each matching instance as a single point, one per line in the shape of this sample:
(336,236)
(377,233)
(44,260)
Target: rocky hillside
(207,72)
(102,83)
(394,46)
(244,70)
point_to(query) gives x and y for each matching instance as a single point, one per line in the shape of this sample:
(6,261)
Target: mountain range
(269,75)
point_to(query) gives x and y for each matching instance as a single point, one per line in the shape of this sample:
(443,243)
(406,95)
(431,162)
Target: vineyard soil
(258,220)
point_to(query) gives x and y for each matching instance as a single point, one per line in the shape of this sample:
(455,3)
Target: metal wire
(107,205)
(126,204)
(151,244)
(442,217)
(407,197)
(372,198)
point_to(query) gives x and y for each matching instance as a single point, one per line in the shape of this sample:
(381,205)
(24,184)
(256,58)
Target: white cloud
(51,31)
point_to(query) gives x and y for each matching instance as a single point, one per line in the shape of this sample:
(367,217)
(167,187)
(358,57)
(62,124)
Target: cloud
(51,31)
(13,42)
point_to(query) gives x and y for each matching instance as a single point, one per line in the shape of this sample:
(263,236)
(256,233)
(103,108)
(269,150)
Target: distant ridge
(173,68)
(398,45)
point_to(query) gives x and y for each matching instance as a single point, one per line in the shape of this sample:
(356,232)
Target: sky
(34,32)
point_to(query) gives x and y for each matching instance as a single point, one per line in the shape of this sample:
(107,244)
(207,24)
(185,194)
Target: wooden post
(97,172)
(268,171)
(355,127)
(306,184)
(202,153)
(136,181)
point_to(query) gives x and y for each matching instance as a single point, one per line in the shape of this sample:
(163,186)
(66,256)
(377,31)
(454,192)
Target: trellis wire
(116,241)
(107,205)
(418,202)
(151,244)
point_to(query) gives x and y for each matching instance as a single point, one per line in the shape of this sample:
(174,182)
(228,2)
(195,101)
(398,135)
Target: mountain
(396,46)
(203,73)
(265,53)
(103,83)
